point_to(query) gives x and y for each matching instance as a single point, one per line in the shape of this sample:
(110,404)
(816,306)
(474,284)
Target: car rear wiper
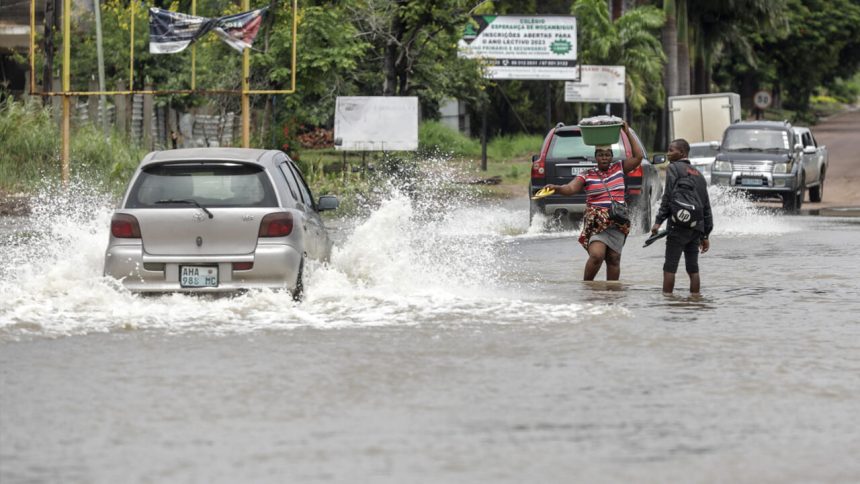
(584,158)
(774,148)
(746,148)
(189,202)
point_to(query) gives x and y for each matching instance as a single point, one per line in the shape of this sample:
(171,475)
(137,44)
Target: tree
(403,32)
(630,41)
(730,29)
(826,31)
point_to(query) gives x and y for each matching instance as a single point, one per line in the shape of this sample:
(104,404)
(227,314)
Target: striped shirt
(595,192)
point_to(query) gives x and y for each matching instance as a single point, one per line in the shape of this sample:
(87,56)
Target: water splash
(425,251)
(735,215)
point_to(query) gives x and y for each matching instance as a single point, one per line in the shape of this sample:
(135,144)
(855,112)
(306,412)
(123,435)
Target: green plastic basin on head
(606,134)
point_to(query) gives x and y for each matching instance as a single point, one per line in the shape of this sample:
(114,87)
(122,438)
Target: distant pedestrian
(686,206)
(174,139)
(601,236)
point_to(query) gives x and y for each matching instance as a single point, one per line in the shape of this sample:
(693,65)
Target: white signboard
(523,47)
(376,123)
(599,84)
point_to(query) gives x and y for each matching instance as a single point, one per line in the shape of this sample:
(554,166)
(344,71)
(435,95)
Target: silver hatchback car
(216,220)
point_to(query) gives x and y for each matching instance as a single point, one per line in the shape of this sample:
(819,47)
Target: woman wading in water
(601,237)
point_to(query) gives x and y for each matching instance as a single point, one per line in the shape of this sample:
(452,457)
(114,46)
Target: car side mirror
(535,158)
(715,146)
(658,159)
(327,202)
(798,147)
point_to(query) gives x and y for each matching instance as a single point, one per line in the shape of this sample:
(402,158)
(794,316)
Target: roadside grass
(31,144)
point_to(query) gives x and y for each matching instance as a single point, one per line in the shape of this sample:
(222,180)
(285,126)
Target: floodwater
(453,346)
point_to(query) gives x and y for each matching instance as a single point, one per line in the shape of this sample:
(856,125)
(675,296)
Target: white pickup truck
(814,163)
(768,159)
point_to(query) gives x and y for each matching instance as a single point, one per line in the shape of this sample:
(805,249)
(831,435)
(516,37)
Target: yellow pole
(131,51)
(193,52)
(33,46)
(246,105)
(67,86)
(295,41)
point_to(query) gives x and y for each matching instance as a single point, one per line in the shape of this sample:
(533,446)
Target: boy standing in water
(686,206)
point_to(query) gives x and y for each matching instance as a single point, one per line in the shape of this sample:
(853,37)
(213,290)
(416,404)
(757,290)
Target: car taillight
(276,225)
(634,191)
(636,172)
(124,226)
(243,266)
(539,168)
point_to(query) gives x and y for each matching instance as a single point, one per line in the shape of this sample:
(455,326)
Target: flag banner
(171,32)
(240,30)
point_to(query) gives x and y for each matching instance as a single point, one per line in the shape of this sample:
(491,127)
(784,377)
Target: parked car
(564,155)
(702,156)
(769,159)
(208,220)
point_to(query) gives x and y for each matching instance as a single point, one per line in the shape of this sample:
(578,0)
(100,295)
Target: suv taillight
(539,168)
(124,226)
(276,225)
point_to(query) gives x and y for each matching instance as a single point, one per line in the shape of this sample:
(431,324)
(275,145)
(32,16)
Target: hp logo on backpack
(685,206)
(683,216)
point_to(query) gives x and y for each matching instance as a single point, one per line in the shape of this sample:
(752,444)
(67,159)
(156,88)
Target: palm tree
(670,47)
(718,26)
(630,41)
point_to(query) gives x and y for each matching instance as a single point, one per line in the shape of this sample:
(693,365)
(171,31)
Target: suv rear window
(756,139)
(569,145)
(209,184)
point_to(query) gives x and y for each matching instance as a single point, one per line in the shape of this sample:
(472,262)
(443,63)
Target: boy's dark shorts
(684,241)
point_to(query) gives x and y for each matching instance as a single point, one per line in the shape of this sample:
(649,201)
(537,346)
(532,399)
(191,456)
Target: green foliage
(845,91)
(435,137)
(329,56)
(108,160)
(514,147)
(31,142)
(829,32)
(632,41)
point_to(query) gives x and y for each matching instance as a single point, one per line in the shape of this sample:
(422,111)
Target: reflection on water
(463,347)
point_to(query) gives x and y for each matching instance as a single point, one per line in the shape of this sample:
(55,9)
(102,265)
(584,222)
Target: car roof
(761,124)
(209,154)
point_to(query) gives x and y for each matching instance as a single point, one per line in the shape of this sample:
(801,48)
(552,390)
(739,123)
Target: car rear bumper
(275,266)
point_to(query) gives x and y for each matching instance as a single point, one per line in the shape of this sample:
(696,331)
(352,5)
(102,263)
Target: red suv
(564,155)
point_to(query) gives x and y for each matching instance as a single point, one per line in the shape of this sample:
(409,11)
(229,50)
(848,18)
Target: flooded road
(457,348)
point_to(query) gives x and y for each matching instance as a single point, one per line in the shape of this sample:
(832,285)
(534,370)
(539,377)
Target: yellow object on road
(543,192)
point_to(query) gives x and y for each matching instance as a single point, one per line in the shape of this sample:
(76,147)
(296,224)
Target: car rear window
(705,151)
(569,145)
(209,184)
(755,139)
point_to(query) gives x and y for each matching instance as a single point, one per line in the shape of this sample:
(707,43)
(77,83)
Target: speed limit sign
(762,99)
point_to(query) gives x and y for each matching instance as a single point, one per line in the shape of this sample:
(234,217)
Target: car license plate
(577,170)
(751,182)
(198,276)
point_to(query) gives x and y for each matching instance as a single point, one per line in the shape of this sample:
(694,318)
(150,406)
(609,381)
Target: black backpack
(685,207)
